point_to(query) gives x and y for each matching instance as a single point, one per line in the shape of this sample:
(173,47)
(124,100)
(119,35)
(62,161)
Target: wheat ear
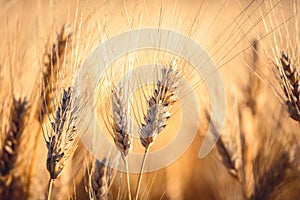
(272,166)
(228,148)
(44,101)
(121,119)
(121,126)
(63,138)
(10,147)
(290,80)
(267,183)
(158,111)
(99,180)
(230,160)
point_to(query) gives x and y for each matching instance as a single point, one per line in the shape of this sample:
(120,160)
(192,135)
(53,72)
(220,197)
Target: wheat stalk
(10,147)
(62,140)
(121,126)
(99,180)
(158,111)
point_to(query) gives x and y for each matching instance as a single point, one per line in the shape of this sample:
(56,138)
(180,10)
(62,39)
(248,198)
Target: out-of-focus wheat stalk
(51,65)
(248,114)
(252,90)
(10,149)
(230,147)
(121,125)
(272,165)
(62,140)
(158,111)
(99,180)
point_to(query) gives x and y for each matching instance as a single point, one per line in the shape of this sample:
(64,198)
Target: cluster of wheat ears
(260,162)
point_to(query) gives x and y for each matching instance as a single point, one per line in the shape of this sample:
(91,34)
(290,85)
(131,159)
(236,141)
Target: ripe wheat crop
(145,99)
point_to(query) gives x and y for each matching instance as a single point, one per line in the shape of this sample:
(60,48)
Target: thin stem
(127,176)
(141,173)
(50,188)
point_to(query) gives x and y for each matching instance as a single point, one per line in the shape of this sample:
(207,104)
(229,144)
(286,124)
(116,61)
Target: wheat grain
(62,140)
(121,120)
(159,105)
(289,78)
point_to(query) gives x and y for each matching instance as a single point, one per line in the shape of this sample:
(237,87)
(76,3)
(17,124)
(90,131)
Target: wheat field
(134,131)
